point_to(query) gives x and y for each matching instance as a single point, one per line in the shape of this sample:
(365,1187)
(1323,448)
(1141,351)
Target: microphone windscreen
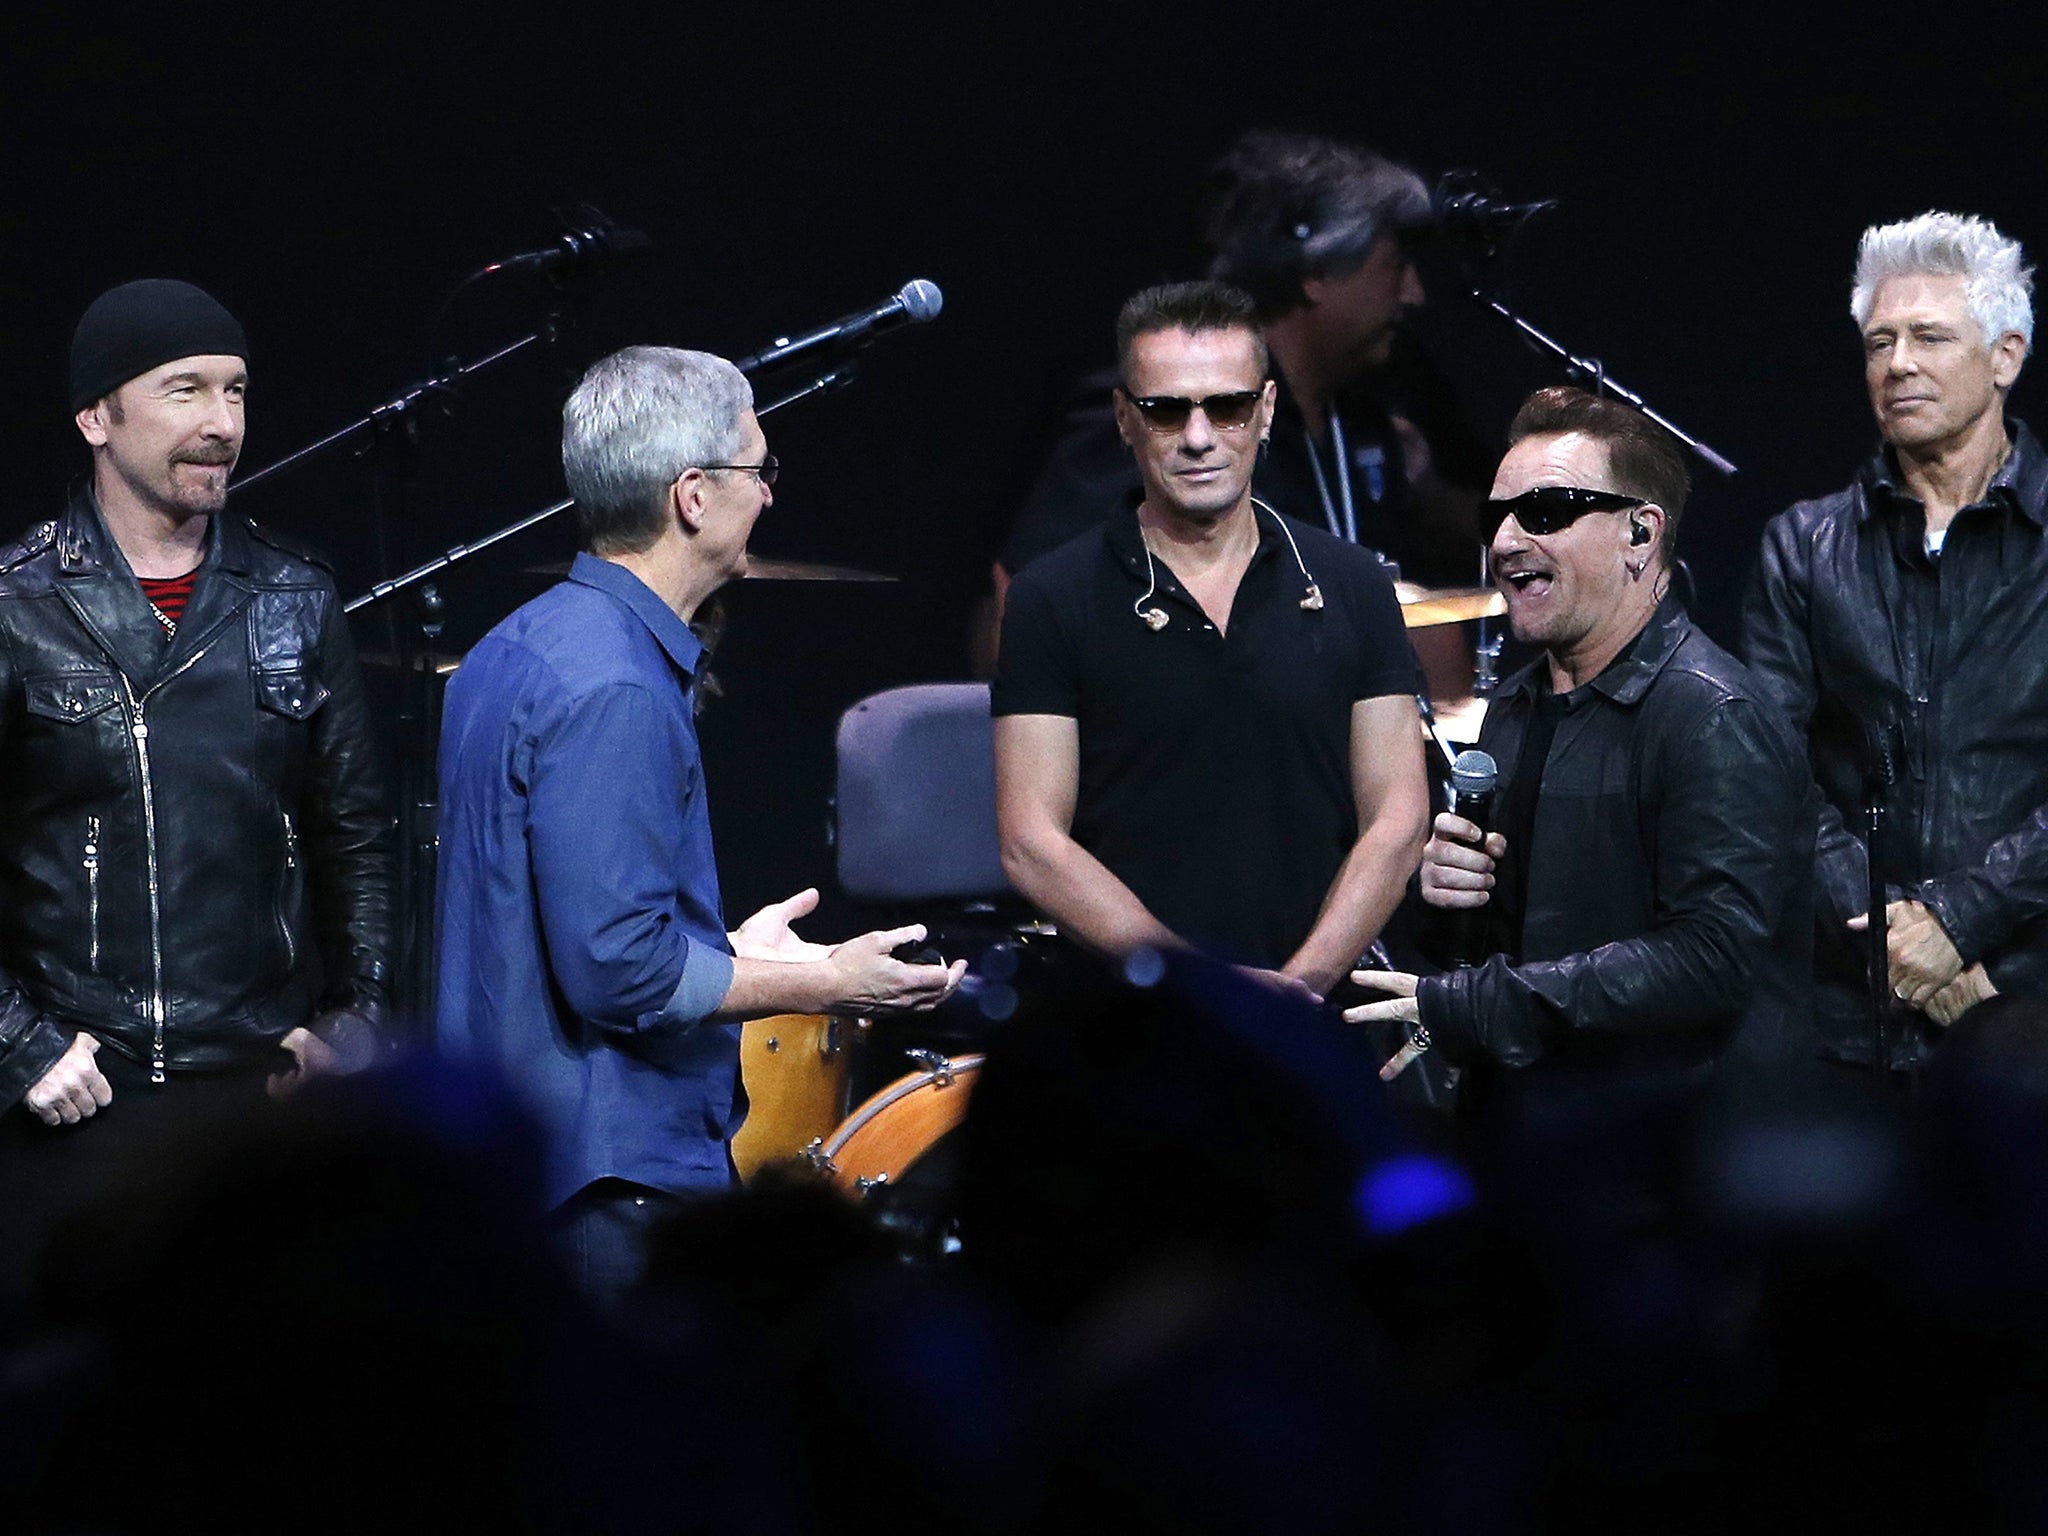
(1474,773)
(921,299)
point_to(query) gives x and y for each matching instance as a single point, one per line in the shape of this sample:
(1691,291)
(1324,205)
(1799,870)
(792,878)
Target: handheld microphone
(588,242)
(917,302)
(1473,777)
(1471,215)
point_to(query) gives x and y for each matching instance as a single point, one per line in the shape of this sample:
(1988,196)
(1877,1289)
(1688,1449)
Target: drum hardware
(828,1039)
(898,1125)
(1486,671)
(940,1067)
(1429,607)
(796,1095)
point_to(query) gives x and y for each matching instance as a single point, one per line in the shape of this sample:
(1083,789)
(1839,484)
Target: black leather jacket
(194,850)
(1669,905)
(1850,621)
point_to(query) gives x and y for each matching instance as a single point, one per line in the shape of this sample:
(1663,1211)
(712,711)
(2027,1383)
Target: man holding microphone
(1645,895)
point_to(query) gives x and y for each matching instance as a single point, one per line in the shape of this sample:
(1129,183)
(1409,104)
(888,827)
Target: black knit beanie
(138,326)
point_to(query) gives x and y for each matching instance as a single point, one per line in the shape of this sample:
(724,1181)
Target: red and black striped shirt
(169,597)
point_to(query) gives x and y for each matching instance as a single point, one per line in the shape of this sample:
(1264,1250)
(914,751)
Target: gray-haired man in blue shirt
(583,950)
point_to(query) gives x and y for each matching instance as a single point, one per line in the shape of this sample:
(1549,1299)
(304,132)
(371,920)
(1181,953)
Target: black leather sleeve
(1729,847)
(1980,906)
(1775,620)
(347,834)
(30,1042)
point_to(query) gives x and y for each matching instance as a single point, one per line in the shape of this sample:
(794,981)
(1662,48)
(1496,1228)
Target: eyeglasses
(1227,413)
(1547,508)
(767,469)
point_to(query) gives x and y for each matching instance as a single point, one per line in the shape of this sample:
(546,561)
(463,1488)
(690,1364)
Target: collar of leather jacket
(86,548)
(95,580)
(1628,677)
(2021,482)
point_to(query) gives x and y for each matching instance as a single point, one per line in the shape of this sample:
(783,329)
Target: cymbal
(1422,607)
(760,568)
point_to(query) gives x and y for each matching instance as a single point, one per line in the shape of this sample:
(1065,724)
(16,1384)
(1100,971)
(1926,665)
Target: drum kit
(1450,713)
(798,1071)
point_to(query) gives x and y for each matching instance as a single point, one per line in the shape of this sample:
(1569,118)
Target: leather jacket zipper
(138,731)
(284,917)
(92,885)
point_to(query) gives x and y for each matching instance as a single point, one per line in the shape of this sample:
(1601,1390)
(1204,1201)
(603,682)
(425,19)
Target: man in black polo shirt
(1206,729)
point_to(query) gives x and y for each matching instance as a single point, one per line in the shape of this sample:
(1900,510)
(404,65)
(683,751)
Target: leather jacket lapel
(221,592)
(94,580)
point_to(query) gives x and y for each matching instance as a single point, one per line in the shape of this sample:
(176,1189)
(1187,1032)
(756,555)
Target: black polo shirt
(1215,769)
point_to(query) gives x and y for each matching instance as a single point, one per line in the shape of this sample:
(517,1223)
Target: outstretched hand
(767,935)
(1401,1008)
(870,979)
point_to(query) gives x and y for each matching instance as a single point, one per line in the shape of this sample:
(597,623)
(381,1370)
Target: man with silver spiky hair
(1909,607)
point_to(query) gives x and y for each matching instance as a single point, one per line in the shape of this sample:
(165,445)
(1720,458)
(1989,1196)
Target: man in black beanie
(194,861)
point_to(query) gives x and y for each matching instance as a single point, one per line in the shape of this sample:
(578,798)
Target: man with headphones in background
(1205,714)
(1367,439)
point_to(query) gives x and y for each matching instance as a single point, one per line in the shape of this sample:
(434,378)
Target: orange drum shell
(899,1124)
(796,1068)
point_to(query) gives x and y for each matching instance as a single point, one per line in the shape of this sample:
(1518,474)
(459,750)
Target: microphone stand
(404,406)
(838,378)
(422,680)
(1880,773)
(420,718)
(392,432)
(1589,371)
(1593,373)
(455,554)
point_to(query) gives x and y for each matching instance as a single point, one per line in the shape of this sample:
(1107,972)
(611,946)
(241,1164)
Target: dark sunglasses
(1170,413)
(767,469)
(1547,508)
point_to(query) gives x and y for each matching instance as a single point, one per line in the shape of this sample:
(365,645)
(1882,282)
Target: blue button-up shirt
(581,939)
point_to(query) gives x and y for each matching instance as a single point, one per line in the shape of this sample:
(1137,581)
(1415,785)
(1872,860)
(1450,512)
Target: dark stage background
(331,173)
